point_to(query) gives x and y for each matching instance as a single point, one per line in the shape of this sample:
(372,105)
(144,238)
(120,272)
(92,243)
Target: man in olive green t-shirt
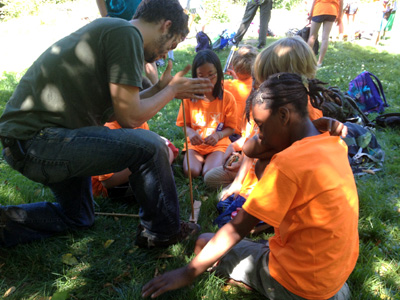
(51,128)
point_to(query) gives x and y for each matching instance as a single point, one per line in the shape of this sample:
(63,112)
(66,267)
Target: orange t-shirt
(308,194)
(241,91)
(313,113)
(204,117)
(250,179)
(97,187)
(326,7)
(249,182)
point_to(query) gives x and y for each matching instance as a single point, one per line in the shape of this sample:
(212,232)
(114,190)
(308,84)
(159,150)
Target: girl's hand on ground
(195,139)
(169,281)
(212,139)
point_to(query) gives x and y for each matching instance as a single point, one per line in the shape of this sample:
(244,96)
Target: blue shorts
(323,18)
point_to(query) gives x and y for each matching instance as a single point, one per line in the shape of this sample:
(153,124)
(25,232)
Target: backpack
(203,41)
(340,106)
(364,152)
(366,93)
(223,39)
(389,120)
(304,34)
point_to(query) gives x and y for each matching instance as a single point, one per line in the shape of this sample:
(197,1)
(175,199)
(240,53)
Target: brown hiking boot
(145,240)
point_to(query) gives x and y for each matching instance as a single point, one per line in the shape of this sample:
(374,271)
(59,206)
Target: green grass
(37,271)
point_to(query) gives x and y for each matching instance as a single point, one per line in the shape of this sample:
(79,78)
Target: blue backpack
(203,41)
(223,39)
(366,93)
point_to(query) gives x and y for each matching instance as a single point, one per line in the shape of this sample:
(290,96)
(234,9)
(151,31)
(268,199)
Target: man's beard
(150,58)
(158,45)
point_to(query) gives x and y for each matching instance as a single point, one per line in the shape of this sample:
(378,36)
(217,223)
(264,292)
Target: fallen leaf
(9,291)
(60,295)
(226,288)
(120,277)
(165,255)
(108,243)
(69,259)
(369,172)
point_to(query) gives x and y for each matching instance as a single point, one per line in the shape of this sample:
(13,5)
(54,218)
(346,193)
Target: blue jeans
(65,159)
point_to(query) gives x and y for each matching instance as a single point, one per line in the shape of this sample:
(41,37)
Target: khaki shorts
(247,262)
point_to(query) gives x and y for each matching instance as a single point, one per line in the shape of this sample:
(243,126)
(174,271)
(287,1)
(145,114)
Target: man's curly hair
(154,11)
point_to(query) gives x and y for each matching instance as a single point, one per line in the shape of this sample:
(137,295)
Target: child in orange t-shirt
(210,121)
(115,185)
(241,84)
(307,193)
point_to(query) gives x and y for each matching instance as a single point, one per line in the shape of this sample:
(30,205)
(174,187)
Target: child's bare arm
(334,126)
(228,236)
(254,149)
(238,181)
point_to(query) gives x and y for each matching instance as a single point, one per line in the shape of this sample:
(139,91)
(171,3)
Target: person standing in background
(324,12)
(249,13)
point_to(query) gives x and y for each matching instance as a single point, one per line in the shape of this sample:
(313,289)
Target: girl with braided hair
(292,55)
(313,94)
(307,193)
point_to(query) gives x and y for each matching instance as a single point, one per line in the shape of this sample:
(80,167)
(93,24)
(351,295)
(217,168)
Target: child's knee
(201,241)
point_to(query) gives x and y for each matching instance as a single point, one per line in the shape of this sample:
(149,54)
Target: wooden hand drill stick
(187,158)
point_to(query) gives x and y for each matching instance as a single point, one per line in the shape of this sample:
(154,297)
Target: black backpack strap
(353,103)
(388,120)
(380,88)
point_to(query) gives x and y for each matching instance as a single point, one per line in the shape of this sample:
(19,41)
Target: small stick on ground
(116,215)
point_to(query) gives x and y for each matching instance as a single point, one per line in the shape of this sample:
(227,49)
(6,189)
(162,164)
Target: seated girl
(210,121)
